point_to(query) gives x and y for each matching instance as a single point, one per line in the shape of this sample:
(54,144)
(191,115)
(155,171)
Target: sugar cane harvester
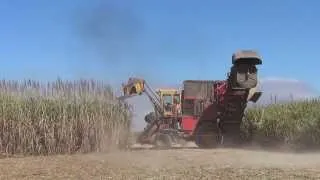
(208,112)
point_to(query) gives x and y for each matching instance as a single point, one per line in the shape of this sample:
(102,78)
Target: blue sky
(192,40)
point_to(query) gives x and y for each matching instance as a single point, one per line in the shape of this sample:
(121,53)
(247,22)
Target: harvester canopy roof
(246,55)
(168,90)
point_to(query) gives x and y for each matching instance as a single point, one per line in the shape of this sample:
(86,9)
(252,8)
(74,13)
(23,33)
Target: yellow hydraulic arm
(137,86)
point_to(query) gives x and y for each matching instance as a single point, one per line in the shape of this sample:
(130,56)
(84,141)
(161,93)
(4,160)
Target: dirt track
(166,164)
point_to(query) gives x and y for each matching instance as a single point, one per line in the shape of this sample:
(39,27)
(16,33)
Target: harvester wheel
(150,117)
(206,135)
(163,141)
(232,136)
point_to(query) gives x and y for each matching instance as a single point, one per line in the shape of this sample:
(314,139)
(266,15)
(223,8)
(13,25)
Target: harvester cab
(171,101)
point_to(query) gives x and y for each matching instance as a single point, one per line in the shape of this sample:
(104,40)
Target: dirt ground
(166,164)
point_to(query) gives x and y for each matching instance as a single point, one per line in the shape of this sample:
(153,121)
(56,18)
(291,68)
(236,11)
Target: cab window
(177,99)
(167,99)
